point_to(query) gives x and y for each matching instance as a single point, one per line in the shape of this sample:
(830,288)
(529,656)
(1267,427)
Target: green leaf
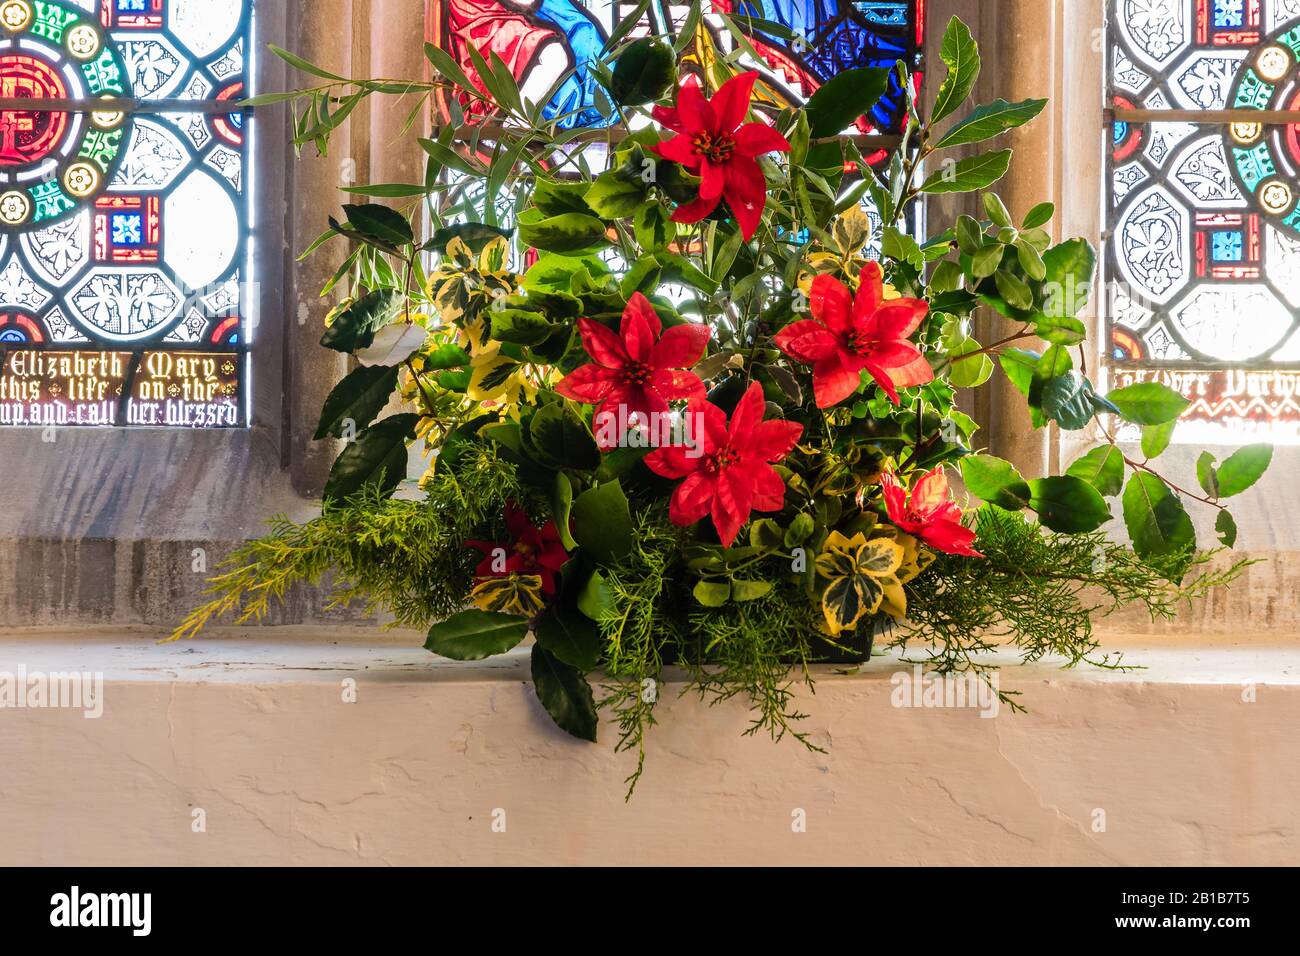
(354,326)
(837,103)
(991,120)
(1226,525)
(1030,261)
(1040,215)
(616,196)
(1156,519)
(1013,289)
(595,600)
(555,197)
(968,372)
(742,591)
(970,174)
(1207,474)
(473,635)
(358,398)
(1019,364)
(901,247)
(1156,438)
(305,66)
(1148,403)
(985,262)
(565,693)
(961,55)
(1070,268)
(712,593)
(562,506)
(569,233)
(520,327)
(970,235)
(1067,504)
(377,457)
(652,227)
(1243,468)
(1103,468)
(997,209)
(602,522)
(644,71)
(1059,330)
(446,356)
(996,481)
(381,223)
(560,436)
(573,638)
(1067,399)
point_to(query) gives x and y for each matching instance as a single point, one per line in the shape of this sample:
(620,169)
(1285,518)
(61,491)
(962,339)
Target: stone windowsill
(251,728)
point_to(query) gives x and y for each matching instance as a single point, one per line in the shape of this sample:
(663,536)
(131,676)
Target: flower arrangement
(685,403)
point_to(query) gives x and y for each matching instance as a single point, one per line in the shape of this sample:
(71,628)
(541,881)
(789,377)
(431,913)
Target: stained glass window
(124,212)
(1203,242)
(543,40)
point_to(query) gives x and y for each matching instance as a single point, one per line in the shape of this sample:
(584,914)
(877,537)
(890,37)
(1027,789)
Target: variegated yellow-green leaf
(512,594)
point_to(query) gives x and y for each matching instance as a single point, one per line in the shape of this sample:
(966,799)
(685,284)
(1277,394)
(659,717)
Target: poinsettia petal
(692,499)
(895,498)
(831,304)
(645,402)
(882,379)
(915,372)
(673,461)
(772,441)
(807,341)
(731,102)
(589,384)
(871,291)
(602,344)
(713,179)
(899,318)
(755,139)
(746,192)
(681,346)
(640,328)
(950,538)
(517,524)
(834,381)
(676,384)
(745,418)
(695,210)
(893,354)
(692,108)
(732,503)
(669,118)
(930,493)
(679,149)
(769,490)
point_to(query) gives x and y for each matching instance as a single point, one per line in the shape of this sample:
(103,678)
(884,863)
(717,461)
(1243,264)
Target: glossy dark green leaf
(849,94)
(361,396)
(559,436)
(354,327)
(1068,505)
(968,175)
(572,637)
(569,233)
(602,522)
(473,635)
(380,222)
(1156,519)
(989,120)
(1148,403)
(1226,526)
(643,73)
(1103,468)
(960,54)
(565,693)
(996,481)
(1243,468)
(378,457)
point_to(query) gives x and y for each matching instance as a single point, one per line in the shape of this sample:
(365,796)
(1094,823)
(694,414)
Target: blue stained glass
(1229,13)
(128,229)
(885,14)
(1228,247)
(1119,132)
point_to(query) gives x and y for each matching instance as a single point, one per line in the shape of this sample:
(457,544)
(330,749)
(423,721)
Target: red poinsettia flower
(529,550)
(714,142)
(929,514)
(847,334)
(641,369)
(728,468)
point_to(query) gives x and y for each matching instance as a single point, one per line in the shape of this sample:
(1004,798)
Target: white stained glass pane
(124,233)
(1203,248)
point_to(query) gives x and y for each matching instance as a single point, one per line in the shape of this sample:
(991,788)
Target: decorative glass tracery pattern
(542,40)
(124,214)
(1203,247)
